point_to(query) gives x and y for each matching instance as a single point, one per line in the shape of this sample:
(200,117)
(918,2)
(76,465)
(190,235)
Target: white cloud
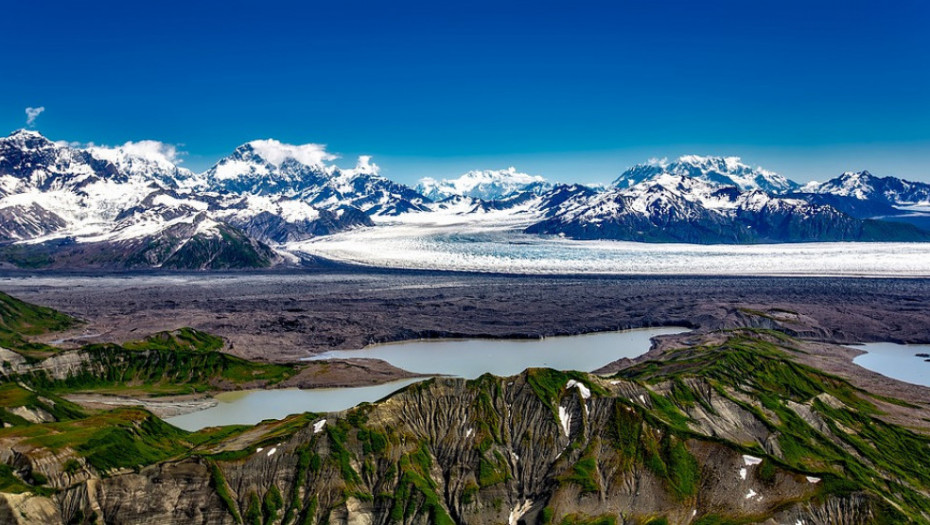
(151,150)
(32,113)
(364,166)
(276,152)
(72,144)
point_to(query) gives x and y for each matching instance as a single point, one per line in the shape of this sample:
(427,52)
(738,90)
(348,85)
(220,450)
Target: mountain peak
(730,162)
(863,185)
(483,184)
(144,156)
(717,170)
(864,174)
(23,132)
(28,137)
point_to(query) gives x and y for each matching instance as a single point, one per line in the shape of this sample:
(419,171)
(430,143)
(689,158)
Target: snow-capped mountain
(29,161)
(863,185)
(269,167)
(486,185)
(63,205)
(719,171)
(680,208)
(145,159)
(133,206)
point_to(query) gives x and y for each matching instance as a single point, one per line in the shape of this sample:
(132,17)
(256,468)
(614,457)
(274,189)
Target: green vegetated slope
(177,362)
(19,319)
(734,430)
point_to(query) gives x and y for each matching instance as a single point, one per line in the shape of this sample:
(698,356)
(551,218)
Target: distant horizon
(453,167)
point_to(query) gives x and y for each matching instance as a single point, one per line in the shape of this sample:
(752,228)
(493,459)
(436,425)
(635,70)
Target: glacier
(471,247)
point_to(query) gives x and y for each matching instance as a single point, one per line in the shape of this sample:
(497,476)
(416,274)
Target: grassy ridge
(29,319)
(861,452)
(168,363)
(17,398)
(120,438)
(19,319)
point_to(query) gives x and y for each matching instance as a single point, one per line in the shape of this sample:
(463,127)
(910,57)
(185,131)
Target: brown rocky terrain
(281,316)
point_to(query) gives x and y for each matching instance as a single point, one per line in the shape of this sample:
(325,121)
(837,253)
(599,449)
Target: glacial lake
(468,358)
(896,361)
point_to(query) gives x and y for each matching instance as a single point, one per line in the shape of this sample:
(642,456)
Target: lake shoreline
(467,359)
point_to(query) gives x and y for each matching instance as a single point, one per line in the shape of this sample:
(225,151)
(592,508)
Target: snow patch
(272,451)
(751,460)
(318,426)
(585,392)
(517,512)
(565,419)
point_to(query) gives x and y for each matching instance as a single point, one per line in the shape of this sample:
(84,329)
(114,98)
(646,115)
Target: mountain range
(133,206)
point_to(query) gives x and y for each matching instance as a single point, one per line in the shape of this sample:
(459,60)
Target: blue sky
(575,91)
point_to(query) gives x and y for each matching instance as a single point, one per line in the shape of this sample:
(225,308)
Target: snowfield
(447,245)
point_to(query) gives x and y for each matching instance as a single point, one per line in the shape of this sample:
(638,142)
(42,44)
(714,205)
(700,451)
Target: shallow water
(467,358)
(896,361)
(252,406)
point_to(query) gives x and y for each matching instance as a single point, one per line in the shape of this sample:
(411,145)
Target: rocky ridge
(728,427)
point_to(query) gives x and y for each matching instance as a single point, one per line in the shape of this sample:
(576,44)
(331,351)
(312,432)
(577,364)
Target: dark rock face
(24,222)
(858,208)
(272,228)
(179,247)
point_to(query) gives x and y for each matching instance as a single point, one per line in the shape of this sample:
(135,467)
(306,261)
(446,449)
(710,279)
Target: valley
(465,263)
(282,316)
(754,416)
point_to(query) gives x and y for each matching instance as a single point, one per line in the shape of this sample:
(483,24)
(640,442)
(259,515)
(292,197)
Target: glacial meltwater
(900,362)
(468,358)
(247,407)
